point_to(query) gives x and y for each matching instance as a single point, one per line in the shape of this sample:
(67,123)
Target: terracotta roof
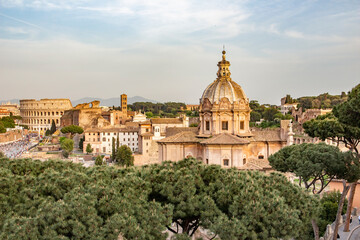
(272,135)
(132,124)
(256,164)
(166,121)
(181,137)
(145,123)
(147,134)
(225,138)
(112,129)
(170,131)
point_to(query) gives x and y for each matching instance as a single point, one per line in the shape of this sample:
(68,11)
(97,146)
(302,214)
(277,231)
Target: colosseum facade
(38,114)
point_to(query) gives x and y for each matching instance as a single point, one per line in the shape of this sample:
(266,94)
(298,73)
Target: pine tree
(88,149)
(124,156)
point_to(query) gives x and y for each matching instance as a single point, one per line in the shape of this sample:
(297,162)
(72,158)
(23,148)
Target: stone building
(91,115)
(160,125)
(224,136)
(4,113)
(13,108)
(38,114)
(301,116)
(100,139)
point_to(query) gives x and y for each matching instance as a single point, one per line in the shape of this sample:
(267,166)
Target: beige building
(224,136)
(38,114)
(4,113)
(100,139)
(13,108)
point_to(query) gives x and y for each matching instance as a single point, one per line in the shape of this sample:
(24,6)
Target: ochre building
(91,115)
(224,136)
(38,114)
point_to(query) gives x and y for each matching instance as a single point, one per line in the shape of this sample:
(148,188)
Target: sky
(168,50)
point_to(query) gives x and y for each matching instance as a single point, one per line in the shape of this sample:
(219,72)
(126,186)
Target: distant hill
(11,101)
(322,101)
(103,102)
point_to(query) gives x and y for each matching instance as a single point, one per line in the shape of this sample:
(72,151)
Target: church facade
(224,136)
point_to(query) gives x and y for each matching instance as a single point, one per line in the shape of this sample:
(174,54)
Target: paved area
(354,233)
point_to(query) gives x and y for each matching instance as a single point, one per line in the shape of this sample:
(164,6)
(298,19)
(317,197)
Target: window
(147,130)
(207,127)
(104,139)
(226,162)
(242,125)
(207,161)
(244,161)
(104,149)
(124,139)
(224,125)
(261,157)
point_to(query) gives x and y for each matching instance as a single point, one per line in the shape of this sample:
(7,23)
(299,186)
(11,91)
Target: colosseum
(38,114)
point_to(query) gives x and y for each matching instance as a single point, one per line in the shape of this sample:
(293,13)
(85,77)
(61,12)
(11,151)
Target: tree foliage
(328,208)
(7,122)
(67,145)
(316,163)
(99,160)
(168,109)
(88,149)
(124,156)
(62,200)
(72,129)
(81,143)
(53,127)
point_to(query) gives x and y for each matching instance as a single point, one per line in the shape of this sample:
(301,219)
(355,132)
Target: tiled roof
(272,135)
(147,134)
(170,131)
(166,121)
(181,137)
(112,129)
(225,138)
(256,164)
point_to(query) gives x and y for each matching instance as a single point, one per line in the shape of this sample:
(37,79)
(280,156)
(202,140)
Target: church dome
(223,86)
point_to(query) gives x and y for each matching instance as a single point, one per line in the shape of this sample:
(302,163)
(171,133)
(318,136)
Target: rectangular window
(224,125)
(242,125)
(104,149)
(207,127)
(104,139)
(226,162)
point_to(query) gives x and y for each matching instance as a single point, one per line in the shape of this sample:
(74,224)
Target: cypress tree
(53,127)
(113,152)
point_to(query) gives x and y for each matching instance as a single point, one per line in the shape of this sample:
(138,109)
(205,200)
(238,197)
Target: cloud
(22,21)
(294,34)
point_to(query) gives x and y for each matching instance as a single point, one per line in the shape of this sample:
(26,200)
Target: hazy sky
(167,50)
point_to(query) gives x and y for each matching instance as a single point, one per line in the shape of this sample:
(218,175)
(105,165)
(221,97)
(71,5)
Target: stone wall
(10,136)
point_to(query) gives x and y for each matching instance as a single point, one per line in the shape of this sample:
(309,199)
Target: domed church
(224,136)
